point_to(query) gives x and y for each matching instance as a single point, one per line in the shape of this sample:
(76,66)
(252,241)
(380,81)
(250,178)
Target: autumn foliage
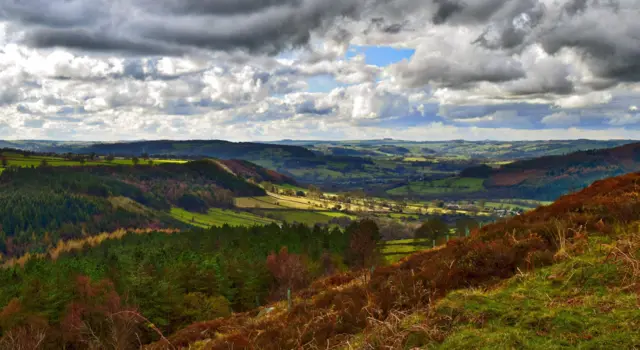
(94,318)
(335,308)
(289,271)
(364,238)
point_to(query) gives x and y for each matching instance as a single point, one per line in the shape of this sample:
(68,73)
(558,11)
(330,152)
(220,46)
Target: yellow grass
(265,202)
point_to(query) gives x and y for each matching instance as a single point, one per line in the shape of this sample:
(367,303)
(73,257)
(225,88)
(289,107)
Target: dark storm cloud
(512,31)
(52,14)
(464,12)
(172,27)
(605,33)
(88,40)
(446,8)
(607,36)
(576,6)
(176,27)
(225,7)
(610,56)
(381,25)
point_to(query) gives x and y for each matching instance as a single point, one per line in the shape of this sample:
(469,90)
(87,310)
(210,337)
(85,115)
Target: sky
(319,69)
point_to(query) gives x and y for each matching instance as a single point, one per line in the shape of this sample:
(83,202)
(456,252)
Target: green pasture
(218,217)
(449,185)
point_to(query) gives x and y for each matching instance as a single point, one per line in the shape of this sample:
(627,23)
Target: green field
(318,173)
(336,214)
(300,216)
(450,185)
(292,187)
(18,160)
(403,216)
(218,217)
(393,251)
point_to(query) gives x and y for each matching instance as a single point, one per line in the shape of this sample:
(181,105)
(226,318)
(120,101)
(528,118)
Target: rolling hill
(193,148)
(547,178)
(375,165)
(497,150)
(562,276)
(42,205)
(199,148)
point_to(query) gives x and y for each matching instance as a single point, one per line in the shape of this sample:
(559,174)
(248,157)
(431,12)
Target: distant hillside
(564,275)
(191,148)
(39,206)
(205,148)
(394,150)
(500,150)
(549,177)
(256,173)
(505,150)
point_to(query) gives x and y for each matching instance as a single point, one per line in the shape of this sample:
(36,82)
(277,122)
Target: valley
(221,240)
(431,169)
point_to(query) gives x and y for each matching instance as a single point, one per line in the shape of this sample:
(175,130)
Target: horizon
(319,140)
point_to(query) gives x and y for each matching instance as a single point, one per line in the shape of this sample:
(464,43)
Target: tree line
(130,291)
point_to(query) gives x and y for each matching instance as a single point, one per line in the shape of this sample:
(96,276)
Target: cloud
(544,75)
(169,27)
(309,107)
(451,60)
(605,35)
(586,100)
(625,119)
(268,69)
(561,119)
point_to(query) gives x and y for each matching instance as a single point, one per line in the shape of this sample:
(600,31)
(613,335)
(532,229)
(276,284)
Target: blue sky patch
(322,83)
(380,56)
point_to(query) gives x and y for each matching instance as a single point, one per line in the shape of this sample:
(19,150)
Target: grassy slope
(578,303)
(588,300)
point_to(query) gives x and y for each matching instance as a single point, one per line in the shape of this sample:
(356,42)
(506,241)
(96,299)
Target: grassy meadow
(301,216)
(218,217)
(443,186)
(582,302)
(394,251)
(19,160)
